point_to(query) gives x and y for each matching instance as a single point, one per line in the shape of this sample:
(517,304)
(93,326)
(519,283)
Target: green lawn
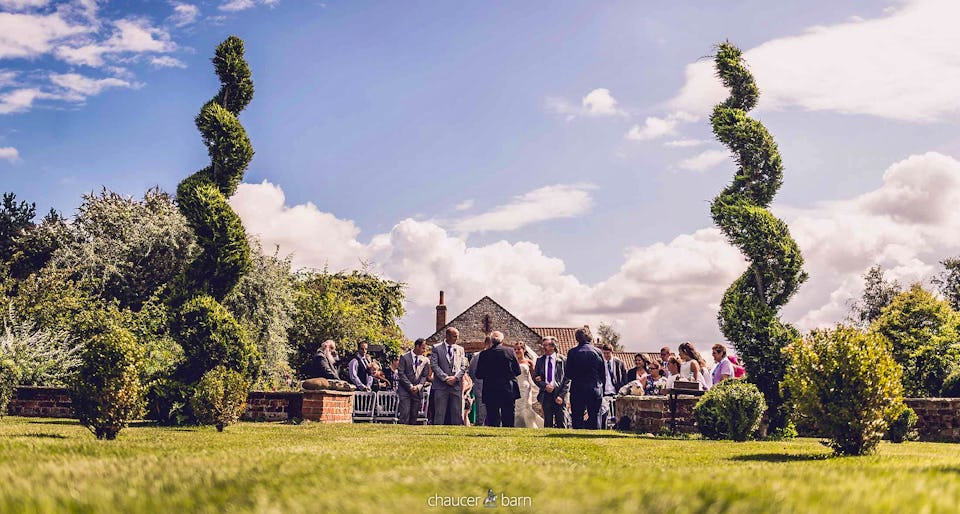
(57,466)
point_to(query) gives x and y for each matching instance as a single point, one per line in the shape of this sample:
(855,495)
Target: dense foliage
(924,338)
(107,391)
(37,356)
(749,309)
(220,397)
(878,293)
(730,410)
(9,376)
(847,383)
(15,217)
(951,385)
(904,426)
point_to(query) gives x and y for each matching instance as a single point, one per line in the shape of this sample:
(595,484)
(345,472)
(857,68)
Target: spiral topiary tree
(209,334)
(749,312)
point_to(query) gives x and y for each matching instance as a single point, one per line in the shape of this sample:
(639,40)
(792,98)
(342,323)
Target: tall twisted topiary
(749,312)
(208,332)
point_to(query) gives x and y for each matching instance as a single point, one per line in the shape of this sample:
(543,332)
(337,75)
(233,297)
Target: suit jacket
(477,382)
(619,373)
(408,372)
(633,374)
(584,370)
(323,368)
(498,368)
(540,378)
(443,367)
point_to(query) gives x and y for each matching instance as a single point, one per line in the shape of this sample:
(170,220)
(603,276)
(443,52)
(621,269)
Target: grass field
(57,466)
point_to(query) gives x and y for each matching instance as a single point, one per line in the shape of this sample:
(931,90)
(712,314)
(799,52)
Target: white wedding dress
(525,416)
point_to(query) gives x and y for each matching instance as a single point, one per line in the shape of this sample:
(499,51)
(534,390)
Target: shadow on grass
(589,435)
(41,435)
(781,457)
(53,422)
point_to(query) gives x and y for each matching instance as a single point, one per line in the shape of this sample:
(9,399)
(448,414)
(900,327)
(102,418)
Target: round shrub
(9,376)
(847,382)
(212,337)
(730,410)
(951,386)
(220,397)
(106,390)
(904,426)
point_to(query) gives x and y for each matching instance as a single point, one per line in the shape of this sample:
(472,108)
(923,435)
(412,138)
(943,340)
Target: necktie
(549,370)
(450,354)
(610,370)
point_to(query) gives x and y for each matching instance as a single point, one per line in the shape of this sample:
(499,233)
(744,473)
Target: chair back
(363,406)
(387,405)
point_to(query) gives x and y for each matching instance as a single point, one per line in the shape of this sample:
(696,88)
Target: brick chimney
(441,313)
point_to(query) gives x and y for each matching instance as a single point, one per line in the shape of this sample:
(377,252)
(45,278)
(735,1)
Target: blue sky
(555,156)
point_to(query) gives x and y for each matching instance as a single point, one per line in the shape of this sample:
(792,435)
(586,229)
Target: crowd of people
(511,386)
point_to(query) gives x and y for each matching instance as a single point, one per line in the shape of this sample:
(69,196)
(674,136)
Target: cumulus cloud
(598,102)
(79,86)
(18,100)
(545,203)
(184,14)
(894,66)
(22,5)
(9,153)
(165,61)
(31,35)
(704,160)
(242,5)
(130,36)
(654,127)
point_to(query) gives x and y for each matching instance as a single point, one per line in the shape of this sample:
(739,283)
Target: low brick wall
(46,402)
(328,406)
(939,418)
(273,406)
(649,414)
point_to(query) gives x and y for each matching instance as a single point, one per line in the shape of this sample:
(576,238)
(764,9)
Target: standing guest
(673,366)
(738,370)
(584,371)
(449,365)
(615,373)
(467,398)
(664,357)
(478,384)
(548,375)
(412,373)
(498,368)
(639,368)
(724,368)
(359,369)
(392,373)
(325,361)
(693,365)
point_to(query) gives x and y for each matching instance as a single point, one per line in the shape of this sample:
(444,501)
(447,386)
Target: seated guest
(639,368)
(324,363)
(380,382)
(693,366)
(656,382)
(738,370)
(724,368)
(673,366)
(392,373)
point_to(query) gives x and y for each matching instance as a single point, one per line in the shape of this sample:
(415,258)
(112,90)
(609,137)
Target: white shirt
(608,386)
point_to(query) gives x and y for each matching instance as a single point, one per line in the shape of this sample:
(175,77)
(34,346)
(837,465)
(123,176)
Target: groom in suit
(585,372)
(548,375)
(413,377)
(497,366)
(449,364)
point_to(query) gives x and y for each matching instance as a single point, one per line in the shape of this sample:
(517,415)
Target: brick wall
(273,406)
(328,406)
(649,414)
(48,402)
(939,418)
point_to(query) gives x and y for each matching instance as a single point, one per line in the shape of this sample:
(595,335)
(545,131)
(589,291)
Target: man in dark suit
(325,361)
(584,371)
(413,375)
(548,375)
(615,374)
(498,368)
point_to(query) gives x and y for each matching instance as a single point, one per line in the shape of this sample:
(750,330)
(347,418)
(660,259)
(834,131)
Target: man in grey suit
(449,364)
(549,377)
(413,376)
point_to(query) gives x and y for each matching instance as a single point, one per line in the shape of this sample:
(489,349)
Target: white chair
(422,418)
(363,406)
(386,407)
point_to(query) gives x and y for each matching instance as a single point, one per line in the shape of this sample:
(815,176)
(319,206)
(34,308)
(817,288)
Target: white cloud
(82,86)
(9,153)
(596,103)
(130,36)
(464,205)
(704,160)
(684,143)
(662,293)
(31,35)
(18,100)
(165,61)
(22,5)
(545,203)
(242,5)
(897,66)
(654,127)
(184,14)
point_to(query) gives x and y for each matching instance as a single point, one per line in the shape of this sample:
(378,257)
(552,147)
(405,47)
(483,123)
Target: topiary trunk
(749,312)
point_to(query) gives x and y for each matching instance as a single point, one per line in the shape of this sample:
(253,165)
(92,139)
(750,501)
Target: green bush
(848,383)
(220,397)
(107,392)
(211,337)
(904,426)
(951,386)
(730,410)
(9,376)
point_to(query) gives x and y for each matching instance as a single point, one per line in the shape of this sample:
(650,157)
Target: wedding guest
(664,357)
(639,368)
(325,361)
(412,372)
(498,368)
(548,375)
(693,366)
(724,368)
(380,382)
(656,381)
(467,399)
(449,365)
(673,366)
(478,383)
(616,372)
(586,372)
(359,369)
(738,370)
(392,373)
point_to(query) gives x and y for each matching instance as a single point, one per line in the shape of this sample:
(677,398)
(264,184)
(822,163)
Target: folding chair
(611,414)
(363,405)
(422,418)
(386,410)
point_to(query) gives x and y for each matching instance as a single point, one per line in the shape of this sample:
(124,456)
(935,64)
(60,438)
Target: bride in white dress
(525,415)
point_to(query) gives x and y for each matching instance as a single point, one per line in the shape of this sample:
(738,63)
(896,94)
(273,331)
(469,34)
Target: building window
(486,324)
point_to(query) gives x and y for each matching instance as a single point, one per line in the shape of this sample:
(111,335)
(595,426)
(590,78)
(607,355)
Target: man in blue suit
(548,375)
(585,373)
